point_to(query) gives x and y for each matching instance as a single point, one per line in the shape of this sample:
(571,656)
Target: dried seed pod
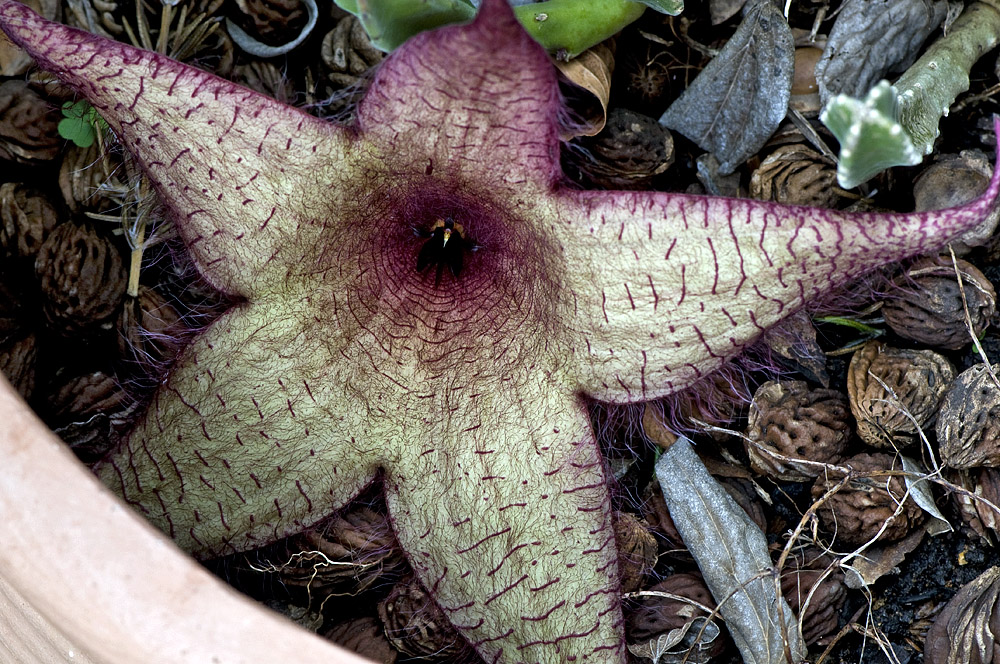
(147,326)
(856,513)
(628,153)
(815,594)
(980,517)
(968,428)
(795,175)
(956,180)
(26,219)
(636,550)
(347,52)
(273,22)
(795,421)
(416,626)
(893,391)
(353,551)
(365,637)
(28,125)
(17,364)
(967,631)
(928,306)
(81,277)
(653,617)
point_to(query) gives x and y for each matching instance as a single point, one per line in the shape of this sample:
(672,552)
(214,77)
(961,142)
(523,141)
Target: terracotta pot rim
(85,579)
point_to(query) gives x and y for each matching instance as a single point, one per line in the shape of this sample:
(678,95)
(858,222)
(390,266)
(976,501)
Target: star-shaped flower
(354,355)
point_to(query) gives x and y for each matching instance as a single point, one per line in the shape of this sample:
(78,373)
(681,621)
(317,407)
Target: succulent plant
(462,386)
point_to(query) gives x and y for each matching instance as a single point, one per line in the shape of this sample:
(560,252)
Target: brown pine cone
(351,551)
(984,484)
(928,308)
(81,276)
(17,364)
(348,53)
(416,626)
(636,550)
(274,22)
(855,514)
(630,150)
(365,637)
(26,219)
(917,381)
(28,125)
(792,420)
(795,175)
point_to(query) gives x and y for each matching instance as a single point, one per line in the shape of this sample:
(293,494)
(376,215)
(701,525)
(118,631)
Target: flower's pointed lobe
(445,95)
(687,282)
(220,155)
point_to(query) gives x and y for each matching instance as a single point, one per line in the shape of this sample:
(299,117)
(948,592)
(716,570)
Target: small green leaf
(871,137)
(80,123)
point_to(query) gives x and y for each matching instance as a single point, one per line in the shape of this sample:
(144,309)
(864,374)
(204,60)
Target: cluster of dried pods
(64,287)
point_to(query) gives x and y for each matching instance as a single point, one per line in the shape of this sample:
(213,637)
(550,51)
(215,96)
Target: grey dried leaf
(732,554)
(967,631)
(968,428)
(740,98)
(871,38)
(920,491)
(688,643)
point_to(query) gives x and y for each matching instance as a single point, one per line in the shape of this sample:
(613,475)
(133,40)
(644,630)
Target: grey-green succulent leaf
(871,138)
(895,126)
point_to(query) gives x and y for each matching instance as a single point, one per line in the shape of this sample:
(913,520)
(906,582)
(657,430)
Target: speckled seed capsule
(792,420)
(928,307)
(893,391)
(815,595)
(968,428)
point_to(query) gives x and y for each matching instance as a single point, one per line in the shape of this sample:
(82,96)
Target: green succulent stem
(565,27)
(929,87)
(896,125)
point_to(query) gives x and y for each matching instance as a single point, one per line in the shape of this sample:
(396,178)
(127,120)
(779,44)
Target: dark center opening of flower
(446,245)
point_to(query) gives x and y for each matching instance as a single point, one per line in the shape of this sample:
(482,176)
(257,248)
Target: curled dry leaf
(929,307)
(870,39)
(967,631)
(895,392)
(968,428)
(591,70)
(741,96)
(981,510)
(790,425)
(732,554)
